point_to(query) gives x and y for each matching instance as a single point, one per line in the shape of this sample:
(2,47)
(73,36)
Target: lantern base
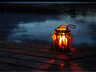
(62,50)
(57,48)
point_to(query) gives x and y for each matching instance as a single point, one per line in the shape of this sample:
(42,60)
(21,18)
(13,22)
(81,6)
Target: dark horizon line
(31,2)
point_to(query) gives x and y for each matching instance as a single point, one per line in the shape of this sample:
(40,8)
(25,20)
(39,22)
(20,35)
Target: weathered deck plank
(33,58)
(11,67)
(45,55)
(83,53)
(34,65)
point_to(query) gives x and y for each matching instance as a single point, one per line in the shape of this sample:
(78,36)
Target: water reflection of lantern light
(62,38)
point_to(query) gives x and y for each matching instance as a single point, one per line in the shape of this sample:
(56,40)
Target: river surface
(39,28)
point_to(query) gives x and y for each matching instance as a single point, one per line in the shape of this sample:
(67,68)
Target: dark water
(39,28)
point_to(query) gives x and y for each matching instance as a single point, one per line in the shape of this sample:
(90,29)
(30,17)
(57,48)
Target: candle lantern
(62,38)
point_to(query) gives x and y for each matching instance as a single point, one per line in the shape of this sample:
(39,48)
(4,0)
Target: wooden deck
(23,57)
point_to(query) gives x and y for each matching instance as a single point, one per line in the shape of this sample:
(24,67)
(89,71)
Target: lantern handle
(71,26)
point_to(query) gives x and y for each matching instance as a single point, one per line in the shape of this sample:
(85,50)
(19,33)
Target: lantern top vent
(64,28)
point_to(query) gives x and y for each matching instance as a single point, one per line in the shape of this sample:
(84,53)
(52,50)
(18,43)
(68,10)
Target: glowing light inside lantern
(63,41)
